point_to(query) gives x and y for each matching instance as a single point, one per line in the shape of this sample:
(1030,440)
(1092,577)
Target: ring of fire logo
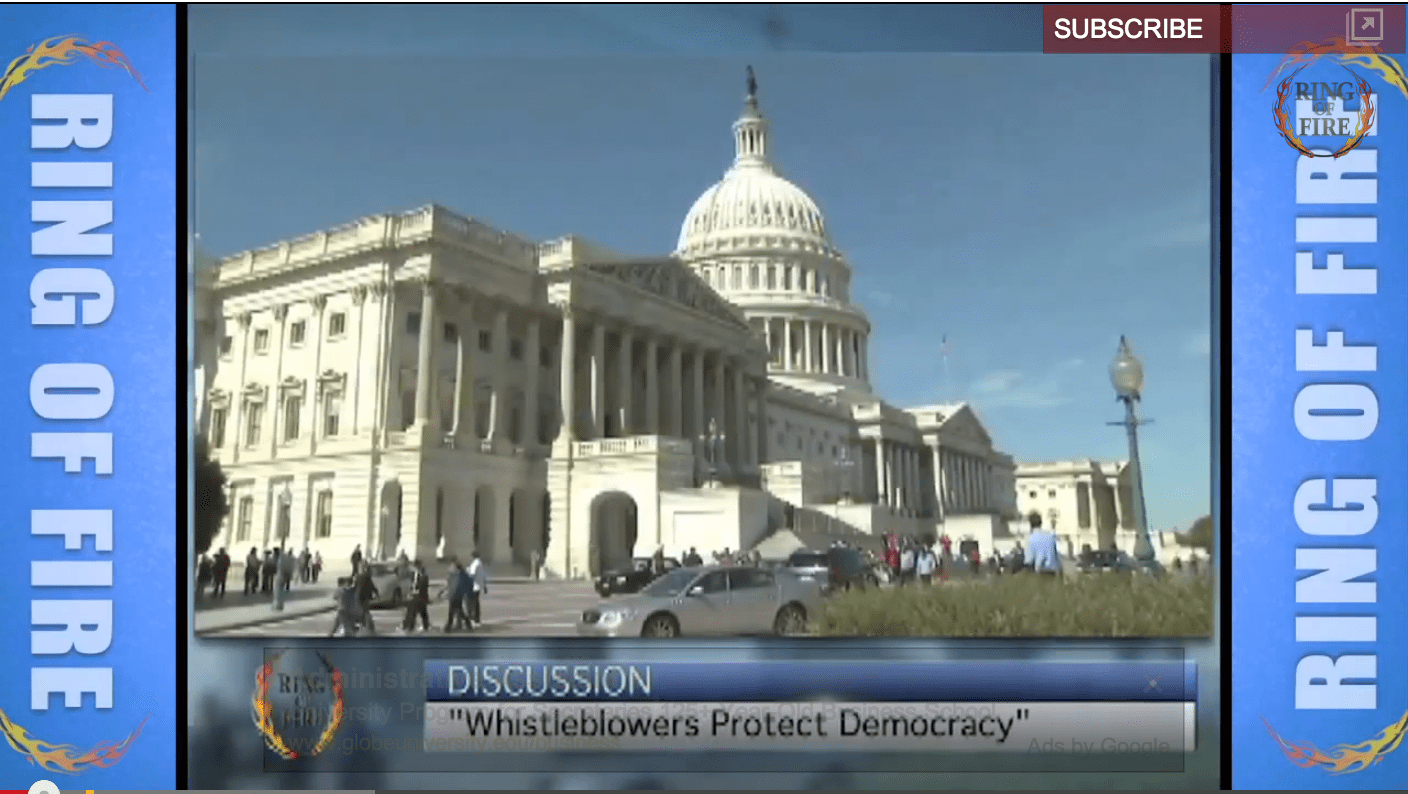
(264,710)
(1345,54)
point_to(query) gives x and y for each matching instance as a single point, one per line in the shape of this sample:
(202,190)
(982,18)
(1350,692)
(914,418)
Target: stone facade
(424,382)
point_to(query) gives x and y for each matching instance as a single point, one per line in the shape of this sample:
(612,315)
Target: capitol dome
(752,205)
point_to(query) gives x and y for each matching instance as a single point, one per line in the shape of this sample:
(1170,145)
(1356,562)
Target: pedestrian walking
(418,605)
(478,586)
(287,569)
(925,564)
(907,564)
(267,571)
(349,612)
(252,566)
(357,560)
(219,573)
(205,569)
(1042,554)
(367,595)
(317,565)
(305,566)
(456,589)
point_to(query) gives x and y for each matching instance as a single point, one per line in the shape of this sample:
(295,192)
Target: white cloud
(1010,388)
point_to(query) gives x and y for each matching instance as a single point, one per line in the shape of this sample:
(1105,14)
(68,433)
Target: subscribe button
(1187,29)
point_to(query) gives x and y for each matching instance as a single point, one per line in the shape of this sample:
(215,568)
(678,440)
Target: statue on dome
(752,84)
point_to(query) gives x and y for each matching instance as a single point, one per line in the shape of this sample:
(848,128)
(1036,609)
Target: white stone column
(807,362)
(567,385)
(826,348)
(532,366)
(463,427)
(498,417)
(677,390)
(699,423)
(879,447)
(759,437)
(843,357)
(652,386)
(626,383)
(598,377)
(887,454)
(741,444)
(425,357)
(719,413)
(790,344)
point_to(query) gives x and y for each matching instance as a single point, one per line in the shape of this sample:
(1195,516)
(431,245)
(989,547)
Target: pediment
(672,281)
(964,424)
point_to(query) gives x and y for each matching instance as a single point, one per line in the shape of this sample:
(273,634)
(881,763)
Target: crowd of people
(272,573)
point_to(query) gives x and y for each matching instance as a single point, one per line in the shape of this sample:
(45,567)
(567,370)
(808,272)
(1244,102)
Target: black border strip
(1222,198)
(183,380)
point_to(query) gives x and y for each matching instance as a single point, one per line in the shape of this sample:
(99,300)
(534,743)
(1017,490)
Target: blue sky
(1031,208)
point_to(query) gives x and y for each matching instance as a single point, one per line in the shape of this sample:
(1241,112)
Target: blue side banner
(87,213)
(1319,335)
(876,682)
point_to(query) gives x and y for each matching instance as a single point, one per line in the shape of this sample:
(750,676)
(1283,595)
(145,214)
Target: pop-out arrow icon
(1368,23)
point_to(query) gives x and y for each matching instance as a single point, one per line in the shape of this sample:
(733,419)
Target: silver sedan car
(710,600)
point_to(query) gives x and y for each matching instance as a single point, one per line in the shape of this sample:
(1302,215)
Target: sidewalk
(237,610)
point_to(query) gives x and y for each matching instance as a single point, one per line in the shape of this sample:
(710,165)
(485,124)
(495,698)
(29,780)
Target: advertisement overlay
(87,129)
(1320,193)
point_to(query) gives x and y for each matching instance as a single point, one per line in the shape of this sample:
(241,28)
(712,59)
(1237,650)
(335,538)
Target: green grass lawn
(1026,605)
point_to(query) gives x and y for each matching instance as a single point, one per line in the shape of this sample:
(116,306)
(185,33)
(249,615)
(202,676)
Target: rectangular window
(332,414)
(408,409)
(324,514)
(296,332)
(253,422)
(293,409)
(245,519)
(486,341)
(451,332)
(227,343)
(217,428)
(337,324)
(261,340)
(515,349)
(545,356)
(413,323)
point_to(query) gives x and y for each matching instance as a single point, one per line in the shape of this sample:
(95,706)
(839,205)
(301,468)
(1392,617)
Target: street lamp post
(1127,376)
(285,514)
(711,441)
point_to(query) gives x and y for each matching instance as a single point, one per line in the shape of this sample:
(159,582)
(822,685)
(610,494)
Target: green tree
(210,504)
(1199,535)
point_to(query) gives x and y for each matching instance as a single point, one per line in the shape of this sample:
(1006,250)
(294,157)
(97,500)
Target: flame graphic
(1362,55)
(1344,758)
(65,758)
(64,50)
(263,709)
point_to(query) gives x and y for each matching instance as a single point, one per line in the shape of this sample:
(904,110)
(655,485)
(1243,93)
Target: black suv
(838,568)
(631,579)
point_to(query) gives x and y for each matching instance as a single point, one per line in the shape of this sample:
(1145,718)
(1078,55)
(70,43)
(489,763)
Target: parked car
(710,600)
(393,584)
(632,578)
(837,569)
(1114,562)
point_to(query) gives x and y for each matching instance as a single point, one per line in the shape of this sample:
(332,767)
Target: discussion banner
(88,217)
(1319,199)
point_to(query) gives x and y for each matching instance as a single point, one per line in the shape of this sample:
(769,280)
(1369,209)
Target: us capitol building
(423,382)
